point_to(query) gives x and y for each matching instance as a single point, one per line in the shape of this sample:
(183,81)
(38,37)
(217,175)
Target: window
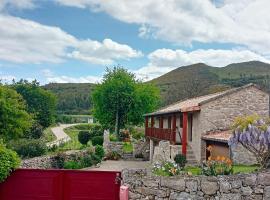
(190,123)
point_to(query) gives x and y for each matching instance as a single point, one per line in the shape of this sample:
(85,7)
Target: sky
(76,40)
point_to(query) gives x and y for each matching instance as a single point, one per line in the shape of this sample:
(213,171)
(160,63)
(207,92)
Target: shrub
(84,137)
(9,161)
(180,160)
(58,161)
(87,161)
(127,147)
(97,140)
(29,148)
(99,151)
(218,166)
(72,165)
(96,130)
(113,155)
(124,136)
(35,132)
(137,135)
(96,159)
(113,138)
(83,126)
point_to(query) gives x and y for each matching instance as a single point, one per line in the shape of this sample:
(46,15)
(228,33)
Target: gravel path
(119,165)
(61,136)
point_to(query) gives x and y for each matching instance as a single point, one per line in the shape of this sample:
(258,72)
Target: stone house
(193,124)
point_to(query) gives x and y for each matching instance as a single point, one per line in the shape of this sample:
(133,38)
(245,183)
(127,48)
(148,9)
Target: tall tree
(41,103)
(121,99)
(14,120)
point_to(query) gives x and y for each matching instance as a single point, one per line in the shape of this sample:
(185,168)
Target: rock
(180,196)
(236,184)
(225,187)
(264,179)
(152,191)
(209,187)
(132,195)
(250,180)
(246,191)
(191,186)
(173,183)
(266,192)
(230,196)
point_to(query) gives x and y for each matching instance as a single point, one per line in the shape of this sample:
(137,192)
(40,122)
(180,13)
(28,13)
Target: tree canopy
(40,102)
(14,120)
(121,99)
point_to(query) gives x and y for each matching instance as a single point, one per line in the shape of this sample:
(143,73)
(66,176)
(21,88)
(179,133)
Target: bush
(96,159)
(58,161)
(85,127)
(29,148)
(137,135)
(97,140)
(113,155)
(166,168)
(113,138)
(84,137)
(72,165)
(9,161)
(127,147)
(124,136)
(96,130)
(35,132)
(99,151)
(87,161)
(180,160)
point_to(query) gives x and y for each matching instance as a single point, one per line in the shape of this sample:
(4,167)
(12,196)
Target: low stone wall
(243,186)
(50,161)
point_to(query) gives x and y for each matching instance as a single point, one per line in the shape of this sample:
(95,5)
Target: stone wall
(240,155)
(243,186)
(49,161)
(219,114)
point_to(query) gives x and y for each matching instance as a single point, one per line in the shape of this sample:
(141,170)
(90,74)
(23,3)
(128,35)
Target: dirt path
(61,136)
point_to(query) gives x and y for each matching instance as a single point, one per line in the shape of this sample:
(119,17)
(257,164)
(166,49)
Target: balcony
(160,134)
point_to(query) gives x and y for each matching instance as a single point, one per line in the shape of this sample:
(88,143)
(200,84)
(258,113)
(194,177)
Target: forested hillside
(181,83)
(72,98)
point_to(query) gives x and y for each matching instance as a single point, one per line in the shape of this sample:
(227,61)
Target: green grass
(74,143)
(236,169)
(48,135)
(127,147)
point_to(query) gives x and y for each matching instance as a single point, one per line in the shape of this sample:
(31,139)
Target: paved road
(119,165)
(61,136)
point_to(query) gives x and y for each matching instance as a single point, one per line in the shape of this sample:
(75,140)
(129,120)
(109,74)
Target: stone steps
(191,159)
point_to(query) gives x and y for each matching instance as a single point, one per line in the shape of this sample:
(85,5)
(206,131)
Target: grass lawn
(48,135)
(236,169)
(74,143)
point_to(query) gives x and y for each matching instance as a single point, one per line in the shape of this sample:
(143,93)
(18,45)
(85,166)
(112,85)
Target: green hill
(181,83)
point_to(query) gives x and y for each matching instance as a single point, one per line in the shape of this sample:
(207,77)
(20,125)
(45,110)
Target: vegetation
(99,151)
(14,120)
(97,140)
(48,135)
(9,161)
(253,134)
(113,155)
(40,103)
(180,160)
(166,168)
(127,147)
(120,99)
(28,148)
(84,137)
(73,98)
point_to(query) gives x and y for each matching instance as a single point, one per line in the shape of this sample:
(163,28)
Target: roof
(193,104)
(218,136)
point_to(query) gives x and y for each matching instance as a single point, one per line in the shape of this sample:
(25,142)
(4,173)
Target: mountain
(72,98)
(181,83)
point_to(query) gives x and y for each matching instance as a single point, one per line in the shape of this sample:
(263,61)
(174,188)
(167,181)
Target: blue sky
(75,40)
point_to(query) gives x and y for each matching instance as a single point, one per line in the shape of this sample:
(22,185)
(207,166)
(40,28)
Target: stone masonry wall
(219,114)
(240,155)
(235,187)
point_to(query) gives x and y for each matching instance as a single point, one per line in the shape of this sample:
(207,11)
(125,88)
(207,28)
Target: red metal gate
(35,184)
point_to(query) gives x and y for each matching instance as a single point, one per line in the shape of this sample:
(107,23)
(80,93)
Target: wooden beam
(146,122)
(174,129)
(152,121)
(184,134)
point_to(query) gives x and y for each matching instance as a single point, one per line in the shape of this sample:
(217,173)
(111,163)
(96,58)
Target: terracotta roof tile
(220,136)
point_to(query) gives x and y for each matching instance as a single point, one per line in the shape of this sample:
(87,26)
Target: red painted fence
(35,184)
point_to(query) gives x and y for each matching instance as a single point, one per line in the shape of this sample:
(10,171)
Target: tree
(121,99)
(254,135)
(41,103)
(14,120)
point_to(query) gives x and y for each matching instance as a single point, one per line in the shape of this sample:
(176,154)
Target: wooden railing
(160,133)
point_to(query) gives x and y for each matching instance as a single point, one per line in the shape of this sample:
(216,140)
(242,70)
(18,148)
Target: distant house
(195,123)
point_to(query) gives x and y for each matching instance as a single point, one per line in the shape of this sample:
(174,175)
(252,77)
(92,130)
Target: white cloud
(25,41)
(164,60)
(6,78)
(18,4)
(243,22)
(52,78)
